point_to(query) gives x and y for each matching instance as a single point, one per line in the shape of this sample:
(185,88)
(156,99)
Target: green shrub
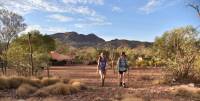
(179,48)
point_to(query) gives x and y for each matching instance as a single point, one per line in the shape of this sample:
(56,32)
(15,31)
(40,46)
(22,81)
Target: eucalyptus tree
(11,24)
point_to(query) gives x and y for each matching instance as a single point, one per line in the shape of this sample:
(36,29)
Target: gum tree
(11,24)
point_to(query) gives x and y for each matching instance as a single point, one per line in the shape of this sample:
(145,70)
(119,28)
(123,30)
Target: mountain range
(91,40)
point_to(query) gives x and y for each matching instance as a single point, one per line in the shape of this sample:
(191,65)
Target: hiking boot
(120,84)
(102,83)
(124,85)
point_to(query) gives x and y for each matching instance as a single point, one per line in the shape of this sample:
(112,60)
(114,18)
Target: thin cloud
(61,18)
(70,7)
(150,6)
(27,6)
(45,29)
(154,5)
(116,9)
(90,24)
(97,2)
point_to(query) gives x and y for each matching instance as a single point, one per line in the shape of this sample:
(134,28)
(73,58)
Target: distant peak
(71,32)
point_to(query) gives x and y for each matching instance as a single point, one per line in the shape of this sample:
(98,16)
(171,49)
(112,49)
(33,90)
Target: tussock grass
(66,80)
(61,89)
(41,93)
(159,82)
(186,91)
(78,85)
(41,87)
(4,84)
(50,81)
(25,90)
(15,81)
(133,99)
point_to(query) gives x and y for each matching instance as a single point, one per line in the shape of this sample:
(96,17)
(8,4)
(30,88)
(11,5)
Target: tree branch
(196,7)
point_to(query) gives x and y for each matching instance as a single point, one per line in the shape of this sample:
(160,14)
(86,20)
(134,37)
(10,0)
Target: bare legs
(122,79)
(102,76)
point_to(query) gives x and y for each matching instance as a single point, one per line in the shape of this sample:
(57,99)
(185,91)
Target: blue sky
(123,19)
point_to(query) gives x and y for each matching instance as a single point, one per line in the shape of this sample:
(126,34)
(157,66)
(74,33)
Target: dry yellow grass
(40,88)
(4,84)
(186,91)
(49,81)
(15,81)
(65,80)
(60,89)
(78,85)
(25,90)
(41,93)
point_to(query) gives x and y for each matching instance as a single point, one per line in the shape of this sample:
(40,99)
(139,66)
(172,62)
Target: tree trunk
(31,54)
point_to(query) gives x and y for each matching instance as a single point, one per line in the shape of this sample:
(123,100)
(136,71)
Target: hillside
(91,40)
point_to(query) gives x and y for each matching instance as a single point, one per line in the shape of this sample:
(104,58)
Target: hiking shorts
(102,69)
(121,72)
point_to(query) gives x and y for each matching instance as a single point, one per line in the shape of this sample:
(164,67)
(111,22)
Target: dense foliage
(19,52)
(179,48)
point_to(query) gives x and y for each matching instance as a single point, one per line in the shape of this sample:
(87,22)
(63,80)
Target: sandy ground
(141,86)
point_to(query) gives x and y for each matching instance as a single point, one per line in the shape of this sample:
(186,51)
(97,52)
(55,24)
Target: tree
(180,49)
(196,6)
(19,53)
(11,24)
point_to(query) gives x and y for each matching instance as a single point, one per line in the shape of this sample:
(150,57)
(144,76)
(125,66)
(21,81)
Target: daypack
(102,62)
(122,65)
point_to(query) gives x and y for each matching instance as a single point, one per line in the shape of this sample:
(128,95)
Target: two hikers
(122,67)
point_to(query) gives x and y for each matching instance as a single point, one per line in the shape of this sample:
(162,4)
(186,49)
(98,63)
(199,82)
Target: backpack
(122,64)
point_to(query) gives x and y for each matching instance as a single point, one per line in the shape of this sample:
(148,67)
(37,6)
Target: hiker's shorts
(121,72)
(102,69)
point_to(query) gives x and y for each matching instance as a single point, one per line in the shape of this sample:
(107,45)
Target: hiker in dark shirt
(101,67)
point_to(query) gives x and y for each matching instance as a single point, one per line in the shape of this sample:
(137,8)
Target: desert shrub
(33,82)
(41,93)
(49,81)
(40,88)
(65,80)
(4,84)
(59,89)
(184,92)
(15,81)
(78,85)
(179,48)
(25,90)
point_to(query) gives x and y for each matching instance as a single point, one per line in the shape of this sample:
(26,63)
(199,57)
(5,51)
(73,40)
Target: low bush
(41,93)
(4,83)
(187,91)
(59,89)
(15,81)
(50,81)
(25,90)
(40,88)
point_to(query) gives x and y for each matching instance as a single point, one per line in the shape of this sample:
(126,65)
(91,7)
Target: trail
(88,75)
